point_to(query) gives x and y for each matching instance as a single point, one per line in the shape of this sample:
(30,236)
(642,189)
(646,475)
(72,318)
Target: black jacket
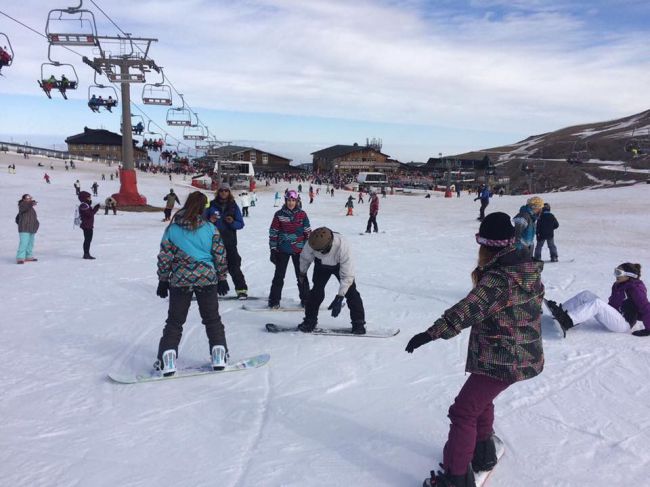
(546,225)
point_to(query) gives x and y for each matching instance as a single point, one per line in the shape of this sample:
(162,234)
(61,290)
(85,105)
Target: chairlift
(59,32)
(6,51)
(67,80)
(179,117)
(579,153)
(157,93)
(194,132)
(102,96)
(137,124)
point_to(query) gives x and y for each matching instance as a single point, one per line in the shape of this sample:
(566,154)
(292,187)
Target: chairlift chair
(59,33)
(8,53)
(99,91)
(179,117)
(157,94)
(194,132)
(51,69)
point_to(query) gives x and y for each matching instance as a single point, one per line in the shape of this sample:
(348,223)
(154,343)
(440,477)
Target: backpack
(77,218)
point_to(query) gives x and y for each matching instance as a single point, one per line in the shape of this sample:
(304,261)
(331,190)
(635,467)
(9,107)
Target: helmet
(321,238)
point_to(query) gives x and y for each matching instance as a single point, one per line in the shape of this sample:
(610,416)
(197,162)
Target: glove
(274,256)
(222,288)
(336,306)
(417,341)
(163,289)
(641,333)
(96,207)
(229,219)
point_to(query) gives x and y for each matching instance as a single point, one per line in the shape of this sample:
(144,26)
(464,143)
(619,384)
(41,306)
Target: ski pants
(25,245)
(353,299)
(472,418)
(180,299)
(168,214)
(234,268)
(372,221)
(551,247)
(88,238)
(586,305)
(281,263)
(484,205)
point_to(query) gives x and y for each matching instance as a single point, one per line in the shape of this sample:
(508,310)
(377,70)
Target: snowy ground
(326,411)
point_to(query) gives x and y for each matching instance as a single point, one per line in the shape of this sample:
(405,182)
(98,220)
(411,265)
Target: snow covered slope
(325,411)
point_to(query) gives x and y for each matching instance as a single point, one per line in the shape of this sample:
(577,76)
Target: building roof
(340,150)
(227,151)
(95,137)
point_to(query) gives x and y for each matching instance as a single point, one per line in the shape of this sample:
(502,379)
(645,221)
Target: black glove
(222,288)
(641,333)
(163,288)
(274,256)
(96,207)
(336,306)
(417,341)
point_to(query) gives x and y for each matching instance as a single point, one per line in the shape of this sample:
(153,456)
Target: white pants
(586,305)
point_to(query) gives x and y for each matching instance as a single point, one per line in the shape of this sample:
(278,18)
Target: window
(265,158)
(253,156)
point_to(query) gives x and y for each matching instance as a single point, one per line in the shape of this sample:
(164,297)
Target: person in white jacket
(245,201)
(330,253)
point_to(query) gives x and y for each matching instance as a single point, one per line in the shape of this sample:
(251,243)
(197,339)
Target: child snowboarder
(349,204)
(87,216)
(505,346)
(192,260)
(545,229)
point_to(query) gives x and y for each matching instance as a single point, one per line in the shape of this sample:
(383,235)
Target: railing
(51,153)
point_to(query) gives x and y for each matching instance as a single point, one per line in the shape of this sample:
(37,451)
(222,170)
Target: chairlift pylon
(6,51)
(48,83)
(59,33)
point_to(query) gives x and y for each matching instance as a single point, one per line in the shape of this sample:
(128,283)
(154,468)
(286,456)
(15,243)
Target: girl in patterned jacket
(287,236)
(505,346)
(192,260)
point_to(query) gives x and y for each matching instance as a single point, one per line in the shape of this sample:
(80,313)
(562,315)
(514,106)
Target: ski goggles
(292,195)
(620,273)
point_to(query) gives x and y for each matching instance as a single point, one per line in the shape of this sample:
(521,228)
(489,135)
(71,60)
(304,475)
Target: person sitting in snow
(627,303)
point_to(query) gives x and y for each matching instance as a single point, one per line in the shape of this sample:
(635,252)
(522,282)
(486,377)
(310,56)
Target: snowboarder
(360,199)
(225,214)
(77,187)
(349,204)
(27,227)
(191,261)
(627,304)
(46,176)
(484,195)
(110,204)
(95,187)
(278,199)
(525,222)
(245,201)
(171,199)
(287,236)
(331,255)
(374,209)
(545,232)
(87,215)
(505,346)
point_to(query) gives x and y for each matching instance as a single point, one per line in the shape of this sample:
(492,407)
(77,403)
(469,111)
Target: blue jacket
(228,231)
(484,195)
(524,227)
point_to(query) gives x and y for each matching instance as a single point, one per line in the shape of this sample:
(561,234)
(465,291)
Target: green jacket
(504,311)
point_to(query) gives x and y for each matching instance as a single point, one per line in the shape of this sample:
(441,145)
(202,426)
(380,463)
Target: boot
(219,357)
(560,315)
(167,366)
(242,294)
(20,261)
(88,257)
(485,455)
(359,328)
(447,480)
(307,325)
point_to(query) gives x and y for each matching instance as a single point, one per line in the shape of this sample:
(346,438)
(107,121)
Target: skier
(525,223)
(349,204)
(245,201)
(484,195)
(191,260)
(545,232)
(47,178)
(374,209)
(77,187)
(332,257)
(360,199)
(505,346)
(171,200)
(311,194)
(225,214)
(95,187)
(87,215)
(27,227)
(627,304)
(287,236)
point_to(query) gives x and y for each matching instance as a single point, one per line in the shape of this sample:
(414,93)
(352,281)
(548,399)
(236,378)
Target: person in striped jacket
(287,236)
(192,260)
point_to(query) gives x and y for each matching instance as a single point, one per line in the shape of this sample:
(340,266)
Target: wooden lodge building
(353,159)
(262,161)
(101,144)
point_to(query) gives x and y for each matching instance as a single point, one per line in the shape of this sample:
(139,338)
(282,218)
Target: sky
(293,77)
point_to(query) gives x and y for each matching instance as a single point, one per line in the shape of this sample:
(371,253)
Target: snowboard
(233,297)
(368,233)
(372,333)
(264,307)
(182,372)
(480,478)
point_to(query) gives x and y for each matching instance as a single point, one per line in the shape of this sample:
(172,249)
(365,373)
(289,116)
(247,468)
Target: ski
(182,372)
(371,333)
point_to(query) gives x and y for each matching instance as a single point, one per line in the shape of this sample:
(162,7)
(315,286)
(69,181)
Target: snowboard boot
(359,328)
(307,326)
(242,294)
(166,366)
(219,357)
(88,257)
(445,479)
(554,259)
(485,455)
(560,315)
(273,305)
(20,261)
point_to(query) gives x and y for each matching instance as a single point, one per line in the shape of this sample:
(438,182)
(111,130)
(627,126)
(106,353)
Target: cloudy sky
(295,76)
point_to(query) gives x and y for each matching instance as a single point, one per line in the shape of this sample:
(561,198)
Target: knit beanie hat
(83,196)
(536,203)
(321,238)
(496,230)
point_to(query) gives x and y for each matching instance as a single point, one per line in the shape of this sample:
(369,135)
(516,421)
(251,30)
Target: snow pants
(372,221)
(281,263)
(180,299)
(321,275)
(586,305)
(234,268)
(484,205)
(88,238)
(472,417)
(25,245)
(551,247)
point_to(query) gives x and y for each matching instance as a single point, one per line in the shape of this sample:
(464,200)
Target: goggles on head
(620,273)
(292,195)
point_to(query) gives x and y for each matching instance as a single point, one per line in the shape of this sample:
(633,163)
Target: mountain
(581,156)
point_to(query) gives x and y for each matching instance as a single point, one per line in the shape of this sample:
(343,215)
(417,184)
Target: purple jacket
(631,292)
(87,214)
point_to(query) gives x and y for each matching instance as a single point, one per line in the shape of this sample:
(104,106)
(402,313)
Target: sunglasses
(620,273)
(224,191)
